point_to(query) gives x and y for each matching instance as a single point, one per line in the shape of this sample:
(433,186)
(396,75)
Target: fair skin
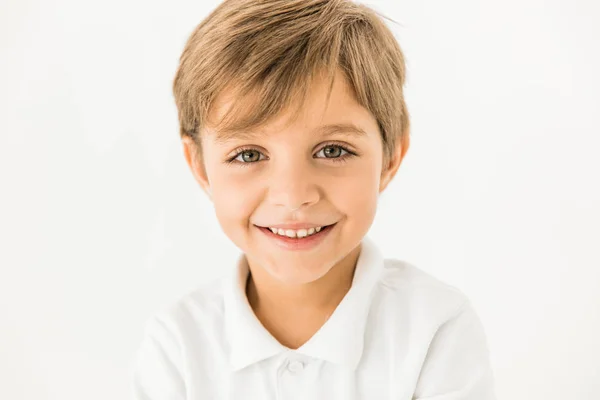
(286,166)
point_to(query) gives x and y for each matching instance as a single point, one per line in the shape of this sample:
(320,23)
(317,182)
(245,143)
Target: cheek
(356,195)
(233,200)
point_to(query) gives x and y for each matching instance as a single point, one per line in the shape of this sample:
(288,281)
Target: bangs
(247,110)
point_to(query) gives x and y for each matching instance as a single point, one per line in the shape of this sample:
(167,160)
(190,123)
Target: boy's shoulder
(400,273)
(203,305)
(403,282)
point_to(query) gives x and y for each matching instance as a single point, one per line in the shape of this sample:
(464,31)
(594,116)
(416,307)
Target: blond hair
(269,51)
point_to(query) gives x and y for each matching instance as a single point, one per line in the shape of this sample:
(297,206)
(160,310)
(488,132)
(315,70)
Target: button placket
(295,366)
(291,383)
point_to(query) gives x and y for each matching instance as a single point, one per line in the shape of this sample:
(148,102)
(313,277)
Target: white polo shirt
(399,333)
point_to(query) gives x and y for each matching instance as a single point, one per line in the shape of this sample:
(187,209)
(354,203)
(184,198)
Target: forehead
(340,114)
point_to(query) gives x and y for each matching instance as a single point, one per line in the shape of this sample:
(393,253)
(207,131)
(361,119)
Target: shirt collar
(340,340)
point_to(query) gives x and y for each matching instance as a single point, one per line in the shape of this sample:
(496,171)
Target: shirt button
(295,366)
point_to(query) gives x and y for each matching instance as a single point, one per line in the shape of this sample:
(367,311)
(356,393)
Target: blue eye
(245,152)
(334,147)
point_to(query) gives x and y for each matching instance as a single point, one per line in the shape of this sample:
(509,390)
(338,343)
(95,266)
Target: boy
(293,121)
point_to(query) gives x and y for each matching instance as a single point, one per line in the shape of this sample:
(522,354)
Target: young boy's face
(334,179)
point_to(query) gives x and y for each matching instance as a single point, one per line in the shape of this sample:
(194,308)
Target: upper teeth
(296,233)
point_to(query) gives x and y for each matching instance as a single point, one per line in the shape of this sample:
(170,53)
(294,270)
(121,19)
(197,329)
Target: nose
(293,185)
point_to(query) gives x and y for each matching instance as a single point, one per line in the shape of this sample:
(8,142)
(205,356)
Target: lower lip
(305,243)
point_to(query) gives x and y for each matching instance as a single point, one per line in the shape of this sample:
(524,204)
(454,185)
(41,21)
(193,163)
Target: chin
(297,275)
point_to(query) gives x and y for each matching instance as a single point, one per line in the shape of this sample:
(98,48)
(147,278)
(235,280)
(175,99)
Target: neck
(322,295)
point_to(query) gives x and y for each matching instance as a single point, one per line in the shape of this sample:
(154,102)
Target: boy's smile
(326,165)
(301,239)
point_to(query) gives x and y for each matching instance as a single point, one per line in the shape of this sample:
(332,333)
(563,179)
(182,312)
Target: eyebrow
(346,129)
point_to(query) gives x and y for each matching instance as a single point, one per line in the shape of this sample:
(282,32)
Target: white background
(101,221)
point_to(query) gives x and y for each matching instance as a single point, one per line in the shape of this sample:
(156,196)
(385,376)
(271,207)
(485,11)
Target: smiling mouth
(323,228)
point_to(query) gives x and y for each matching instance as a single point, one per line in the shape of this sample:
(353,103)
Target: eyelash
(342,158)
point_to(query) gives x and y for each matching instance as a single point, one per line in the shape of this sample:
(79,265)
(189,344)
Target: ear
(196,164)
(389,171)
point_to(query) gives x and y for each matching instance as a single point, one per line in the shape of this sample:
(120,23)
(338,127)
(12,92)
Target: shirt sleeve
(457,365)
(157,373)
